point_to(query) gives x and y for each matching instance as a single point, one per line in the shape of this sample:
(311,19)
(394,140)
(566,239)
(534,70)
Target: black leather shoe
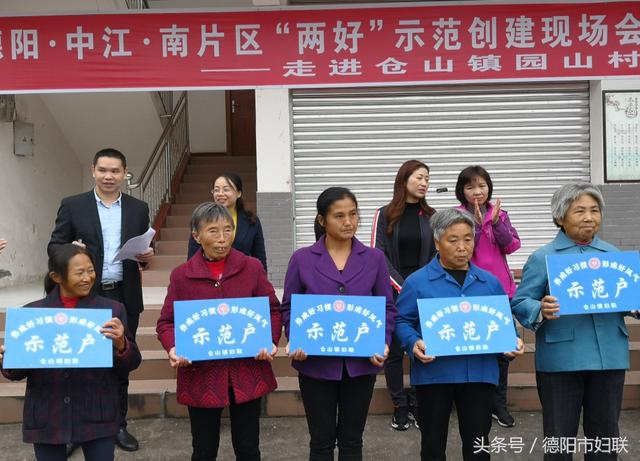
(71,447)
(126,441)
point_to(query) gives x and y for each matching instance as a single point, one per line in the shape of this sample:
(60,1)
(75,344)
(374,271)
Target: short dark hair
(59,263)
(110,152)
(466,176)
(324,202)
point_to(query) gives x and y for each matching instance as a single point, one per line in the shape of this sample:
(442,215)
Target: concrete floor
(287,439)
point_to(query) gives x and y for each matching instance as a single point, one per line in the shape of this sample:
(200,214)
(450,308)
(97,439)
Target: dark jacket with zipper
(389,244)
(77,405)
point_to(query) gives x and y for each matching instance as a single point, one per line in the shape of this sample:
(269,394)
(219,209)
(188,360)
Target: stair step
(155,365)
(199,197)
(156,397)
(215,170)
(166,262)
(248,177)
(182,209)
(171,247)
(226,160)
(175,233)
(147,398)
(159,278)
(192,197)
(146,337)
(178,221)
(149,317)
(186,209)
(248,186)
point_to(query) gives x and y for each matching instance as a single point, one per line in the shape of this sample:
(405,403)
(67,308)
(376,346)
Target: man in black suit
(102,220)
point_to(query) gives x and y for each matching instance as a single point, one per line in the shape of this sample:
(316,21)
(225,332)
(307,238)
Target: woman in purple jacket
(495,238)
(337,264)
(81,405)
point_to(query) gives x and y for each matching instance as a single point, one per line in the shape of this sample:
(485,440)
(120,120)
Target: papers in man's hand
(134,246)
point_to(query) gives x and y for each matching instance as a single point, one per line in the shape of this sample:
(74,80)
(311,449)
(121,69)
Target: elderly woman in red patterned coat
(214,272)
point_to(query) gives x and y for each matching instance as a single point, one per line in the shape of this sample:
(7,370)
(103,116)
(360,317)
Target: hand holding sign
(175,361)
(419,350)
(549,307)
(264,354)
(518,351)
(377,359)
(114,330)
(298,354)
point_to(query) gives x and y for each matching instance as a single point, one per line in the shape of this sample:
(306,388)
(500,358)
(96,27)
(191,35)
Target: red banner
(320,47)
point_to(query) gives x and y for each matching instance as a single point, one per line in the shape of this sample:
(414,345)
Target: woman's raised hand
(175,361)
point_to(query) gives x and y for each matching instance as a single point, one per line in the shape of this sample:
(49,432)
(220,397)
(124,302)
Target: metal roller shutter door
(532,138)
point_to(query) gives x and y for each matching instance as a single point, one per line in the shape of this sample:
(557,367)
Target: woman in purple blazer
(337,264)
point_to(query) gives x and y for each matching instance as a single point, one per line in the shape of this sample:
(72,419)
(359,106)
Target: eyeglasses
(225,190)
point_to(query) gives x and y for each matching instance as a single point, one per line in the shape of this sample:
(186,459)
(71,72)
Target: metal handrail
(137,4)
(154,183)
(166,101)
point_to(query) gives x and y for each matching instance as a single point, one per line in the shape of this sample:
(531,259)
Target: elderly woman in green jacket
(580,359)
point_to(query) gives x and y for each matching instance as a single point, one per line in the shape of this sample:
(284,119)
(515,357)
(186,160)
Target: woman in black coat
(248,239)
(402,230)
(76,405)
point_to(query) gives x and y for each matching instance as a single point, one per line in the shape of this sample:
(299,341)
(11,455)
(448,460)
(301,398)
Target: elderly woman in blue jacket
(580,359)
(467,380)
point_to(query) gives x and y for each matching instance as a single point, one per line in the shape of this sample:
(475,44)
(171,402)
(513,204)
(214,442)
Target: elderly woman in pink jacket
(495,238)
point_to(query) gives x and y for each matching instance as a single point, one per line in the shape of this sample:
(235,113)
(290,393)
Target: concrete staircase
(152,389)
(195,188)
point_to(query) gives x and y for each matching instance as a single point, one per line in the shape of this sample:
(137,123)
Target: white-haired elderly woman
(467,380)
(580,359)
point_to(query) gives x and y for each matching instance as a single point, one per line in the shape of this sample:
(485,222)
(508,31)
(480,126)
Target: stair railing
(137,4)
(154,183)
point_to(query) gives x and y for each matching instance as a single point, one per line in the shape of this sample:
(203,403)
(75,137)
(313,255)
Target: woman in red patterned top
(206,387)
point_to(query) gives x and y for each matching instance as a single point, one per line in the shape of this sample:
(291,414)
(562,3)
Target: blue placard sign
(37,337)
(215,329)
(595,283)
(349,326)
(464,326)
